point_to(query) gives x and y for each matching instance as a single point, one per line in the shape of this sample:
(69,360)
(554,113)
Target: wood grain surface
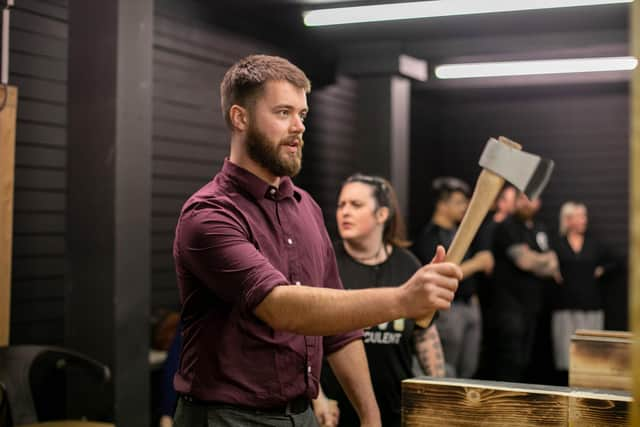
(7,178)
(601,361)
(458,402)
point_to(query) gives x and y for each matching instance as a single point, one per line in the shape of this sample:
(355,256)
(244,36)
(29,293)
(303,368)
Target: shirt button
(272,191)
(290,241)
(309,369)
(298,283)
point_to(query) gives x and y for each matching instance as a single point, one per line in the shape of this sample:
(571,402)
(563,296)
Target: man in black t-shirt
(460,327)
(524,263)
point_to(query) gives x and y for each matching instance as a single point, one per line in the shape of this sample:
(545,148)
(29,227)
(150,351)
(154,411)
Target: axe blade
(527,172)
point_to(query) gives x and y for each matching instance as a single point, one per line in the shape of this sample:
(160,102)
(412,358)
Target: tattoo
(516,252)
(543,265)
(429,351)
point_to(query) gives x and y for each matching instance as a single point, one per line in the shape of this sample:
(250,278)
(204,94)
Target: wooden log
(460,402)
(600,360)
(9,99)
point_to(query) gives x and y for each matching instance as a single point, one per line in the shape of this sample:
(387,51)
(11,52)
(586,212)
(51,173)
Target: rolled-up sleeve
(333,343)
(216,249)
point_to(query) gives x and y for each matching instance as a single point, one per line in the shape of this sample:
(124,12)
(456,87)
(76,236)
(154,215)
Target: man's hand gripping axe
(502,160)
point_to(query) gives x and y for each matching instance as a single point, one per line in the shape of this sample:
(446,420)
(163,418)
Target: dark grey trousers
(198,415)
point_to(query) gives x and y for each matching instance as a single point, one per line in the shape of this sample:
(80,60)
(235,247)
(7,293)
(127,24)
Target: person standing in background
(460,328)
(503,207)
(577,304)
(372,252)
(524,265)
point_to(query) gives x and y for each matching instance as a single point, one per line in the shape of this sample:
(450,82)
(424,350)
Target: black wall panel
(38,67)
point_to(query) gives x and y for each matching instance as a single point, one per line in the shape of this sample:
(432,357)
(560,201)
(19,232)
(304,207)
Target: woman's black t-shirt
(389,346)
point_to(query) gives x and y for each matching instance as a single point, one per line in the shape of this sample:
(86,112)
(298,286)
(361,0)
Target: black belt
(294,406)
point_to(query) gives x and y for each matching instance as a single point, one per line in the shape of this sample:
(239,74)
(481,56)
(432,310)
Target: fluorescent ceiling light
(523,68)
(429,9)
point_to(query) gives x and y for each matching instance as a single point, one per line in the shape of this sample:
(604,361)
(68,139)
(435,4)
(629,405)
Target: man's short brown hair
(246,78)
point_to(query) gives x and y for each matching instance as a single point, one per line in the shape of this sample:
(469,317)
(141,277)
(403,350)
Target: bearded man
(261,296)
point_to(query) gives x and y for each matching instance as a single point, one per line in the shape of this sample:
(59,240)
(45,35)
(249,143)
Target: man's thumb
(439,256)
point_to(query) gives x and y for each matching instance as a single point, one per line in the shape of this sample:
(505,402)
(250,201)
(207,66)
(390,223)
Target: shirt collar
(256,186)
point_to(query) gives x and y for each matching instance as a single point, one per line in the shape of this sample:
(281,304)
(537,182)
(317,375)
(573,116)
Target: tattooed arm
(429,351)
(543,265)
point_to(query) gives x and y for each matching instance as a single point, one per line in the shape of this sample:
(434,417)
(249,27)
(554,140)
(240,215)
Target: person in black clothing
(503,207)
(524,264)
(372,252)
(460,327)
(577,304)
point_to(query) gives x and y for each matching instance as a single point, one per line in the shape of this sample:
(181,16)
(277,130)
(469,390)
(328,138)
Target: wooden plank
(7,177)
(459,402)
(454,402)
(634,217)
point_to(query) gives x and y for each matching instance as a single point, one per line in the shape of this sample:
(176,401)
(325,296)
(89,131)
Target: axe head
(527,172)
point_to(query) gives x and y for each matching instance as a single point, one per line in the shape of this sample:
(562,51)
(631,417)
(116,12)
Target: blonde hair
(568,209)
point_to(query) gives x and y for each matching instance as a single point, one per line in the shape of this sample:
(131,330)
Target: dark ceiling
(578,31)
(276,16)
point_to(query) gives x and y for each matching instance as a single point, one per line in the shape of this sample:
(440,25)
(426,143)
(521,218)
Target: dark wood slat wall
(584,128)
(190,138)
(330,142)
(38,66)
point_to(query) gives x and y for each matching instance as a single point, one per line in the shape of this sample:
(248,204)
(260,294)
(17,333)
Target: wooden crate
(460,402)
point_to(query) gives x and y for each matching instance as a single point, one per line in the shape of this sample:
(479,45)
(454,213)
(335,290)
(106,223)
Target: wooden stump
(600,359)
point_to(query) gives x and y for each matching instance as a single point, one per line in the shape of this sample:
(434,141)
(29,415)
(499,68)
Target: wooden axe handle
(487,188)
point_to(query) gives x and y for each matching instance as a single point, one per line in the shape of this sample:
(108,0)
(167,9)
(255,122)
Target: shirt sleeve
(216,249)
(333,343)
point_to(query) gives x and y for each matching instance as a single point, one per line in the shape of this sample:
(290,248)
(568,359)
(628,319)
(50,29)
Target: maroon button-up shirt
(237,238)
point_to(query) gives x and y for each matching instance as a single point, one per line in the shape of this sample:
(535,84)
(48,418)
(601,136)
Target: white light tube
(523,68)
(429,9)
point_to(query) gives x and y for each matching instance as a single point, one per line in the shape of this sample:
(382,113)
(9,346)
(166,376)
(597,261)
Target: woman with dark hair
(372,253)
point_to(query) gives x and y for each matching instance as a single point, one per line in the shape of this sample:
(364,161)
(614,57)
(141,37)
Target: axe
(502,160)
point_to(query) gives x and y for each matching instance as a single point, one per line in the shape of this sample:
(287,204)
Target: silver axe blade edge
(527,172)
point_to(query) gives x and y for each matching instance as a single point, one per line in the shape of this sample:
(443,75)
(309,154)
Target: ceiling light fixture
(429,9)
(523,68)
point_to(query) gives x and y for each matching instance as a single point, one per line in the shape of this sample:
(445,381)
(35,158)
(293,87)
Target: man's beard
(261,150)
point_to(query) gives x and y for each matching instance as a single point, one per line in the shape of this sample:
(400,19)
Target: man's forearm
(541,264)
(544,266)
(320,311)
(349,364)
